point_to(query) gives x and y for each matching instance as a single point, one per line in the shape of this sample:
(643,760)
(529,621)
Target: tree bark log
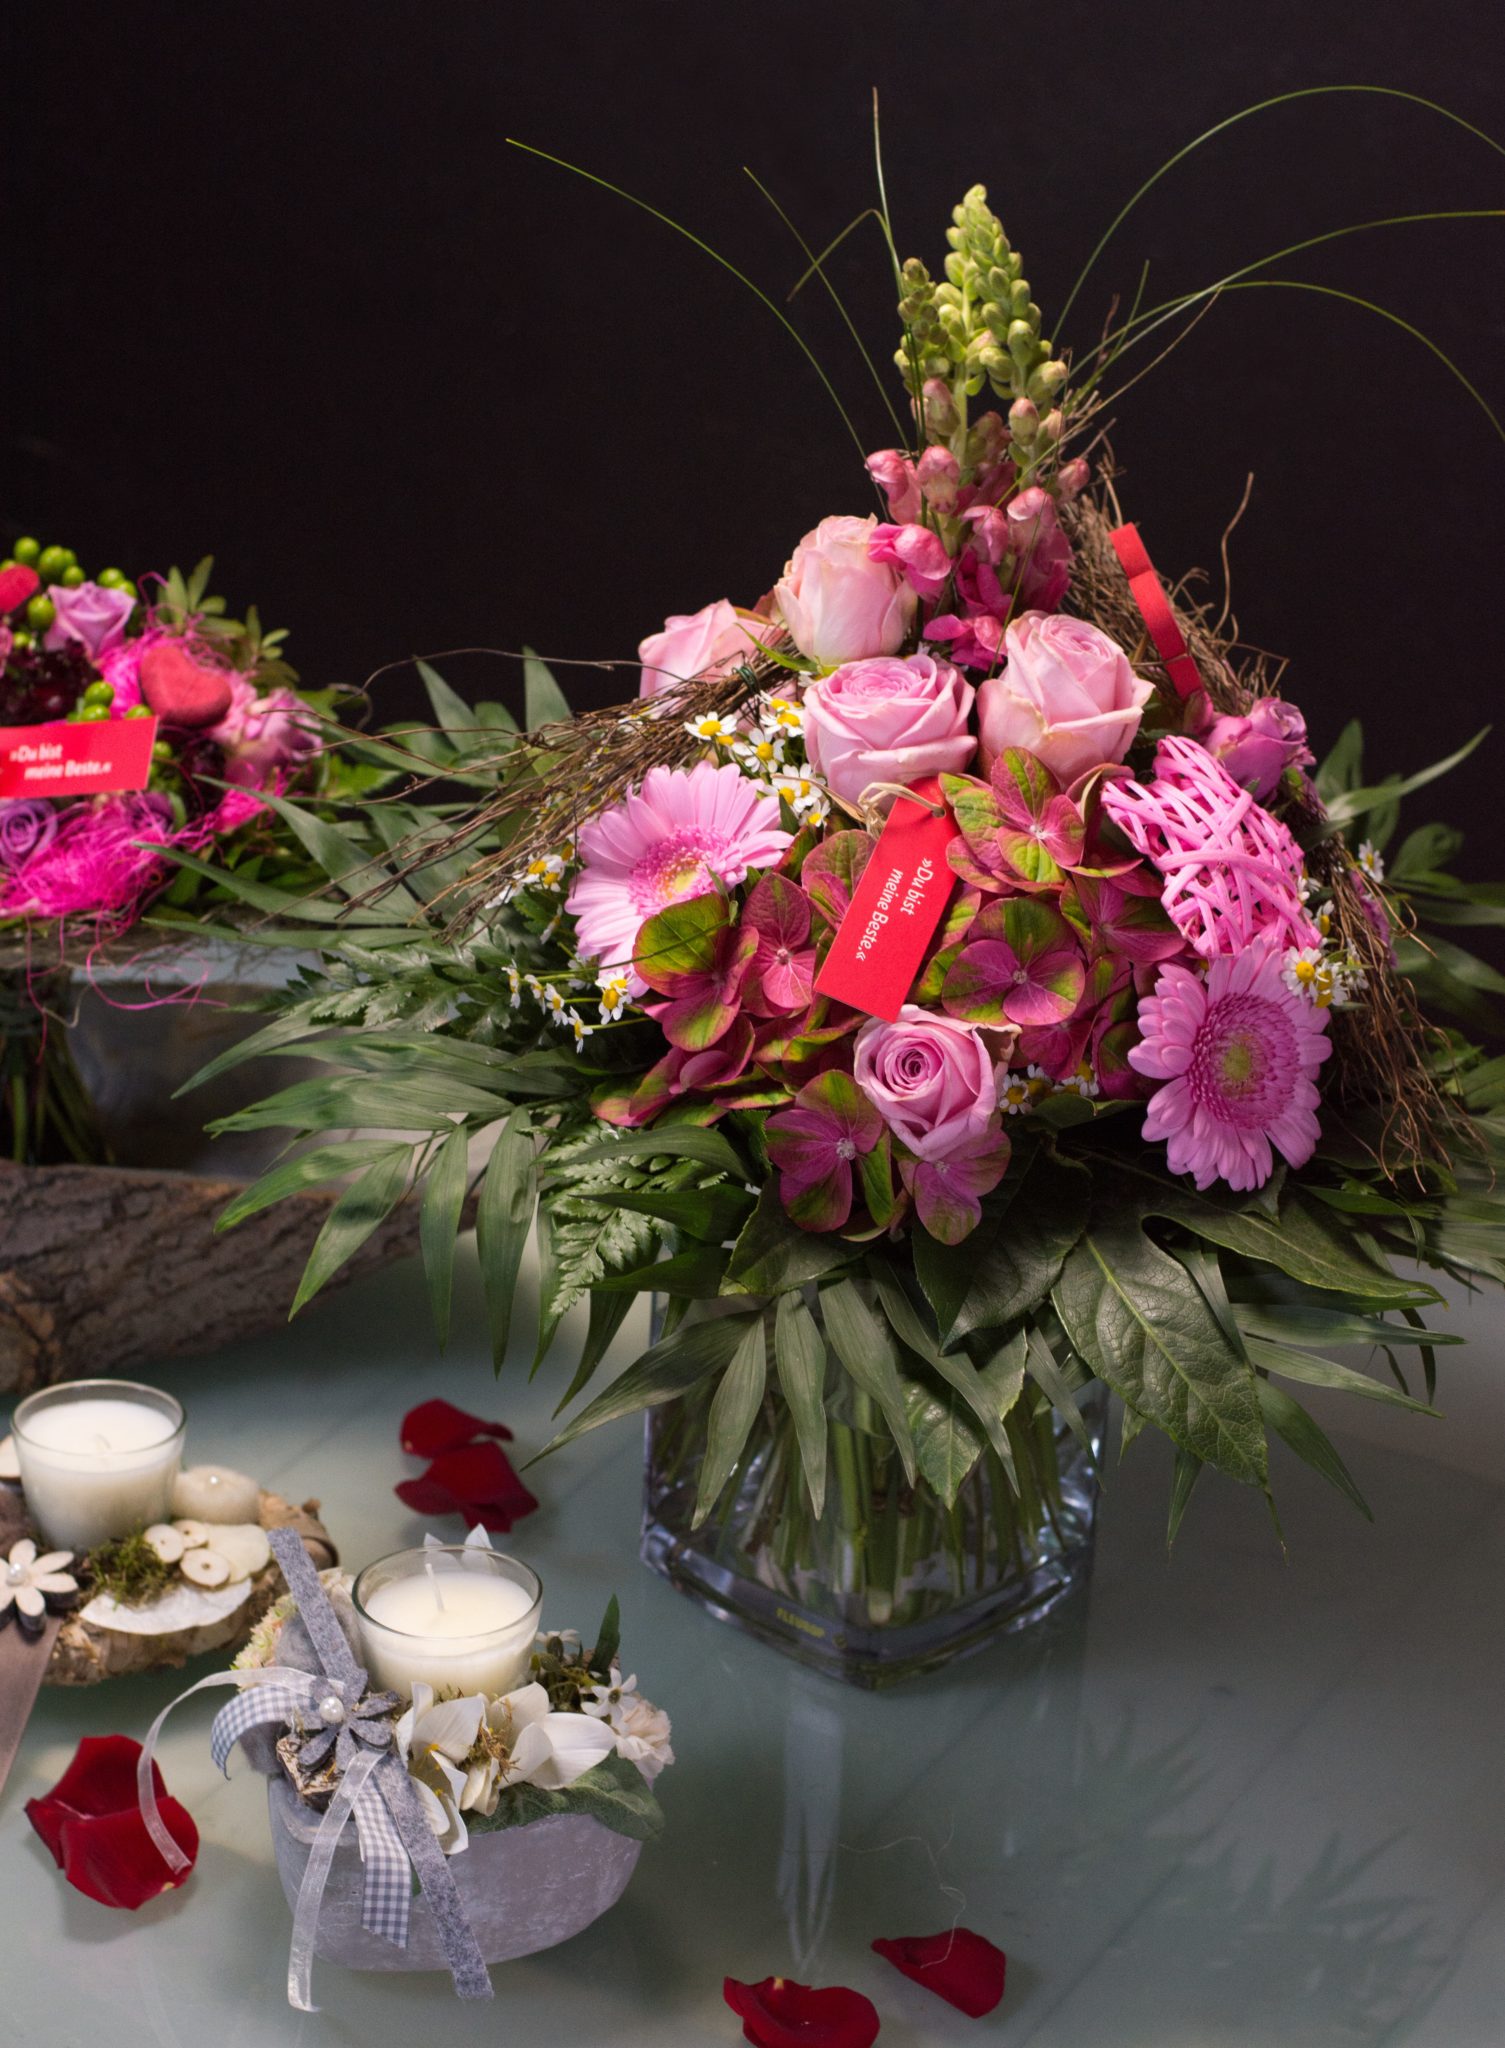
(104,1267)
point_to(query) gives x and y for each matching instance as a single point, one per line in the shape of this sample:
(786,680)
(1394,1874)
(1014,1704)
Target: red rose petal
(964,1968)
(779,2013)
(435,1426)
(476,1481)
(93,1828)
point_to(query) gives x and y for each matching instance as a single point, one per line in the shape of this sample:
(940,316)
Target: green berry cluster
(979,326)
(55,565)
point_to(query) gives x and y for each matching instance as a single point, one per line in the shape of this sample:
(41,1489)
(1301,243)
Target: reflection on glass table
(1232,1798)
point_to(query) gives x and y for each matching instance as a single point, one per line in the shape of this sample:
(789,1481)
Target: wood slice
(84,1654)
(104,1267)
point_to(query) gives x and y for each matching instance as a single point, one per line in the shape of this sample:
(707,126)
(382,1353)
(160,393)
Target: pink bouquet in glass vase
(949,991)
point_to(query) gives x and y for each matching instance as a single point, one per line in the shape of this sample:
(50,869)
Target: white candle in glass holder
(457,1617)
(98,1459)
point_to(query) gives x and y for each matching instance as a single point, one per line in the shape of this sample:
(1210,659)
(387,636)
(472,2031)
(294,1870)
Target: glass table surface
(1229,1798)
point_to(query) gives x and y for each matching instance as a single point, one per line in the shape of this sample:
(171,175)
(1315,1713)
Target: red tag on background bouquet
(64,758)
(894,910)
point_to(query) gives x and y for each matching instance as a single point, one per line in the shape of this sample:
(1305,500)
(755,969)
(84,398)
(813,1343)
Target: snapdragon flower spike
(830,1130)
(947,1192)
(693,954)
(778,2013)
(1021,965)
(783,967)
(435,1426)
(964,1968)
(92,1825)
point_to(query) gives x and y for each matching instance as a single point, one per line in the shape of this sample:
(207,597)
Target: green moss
(129,1570)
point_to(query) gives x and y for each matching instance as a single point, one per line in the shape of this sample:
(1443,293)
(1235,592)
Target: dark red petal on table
(779,2013)
(475,1481)
(93,1828)
(17,583)
(964,1968)
(435,1426)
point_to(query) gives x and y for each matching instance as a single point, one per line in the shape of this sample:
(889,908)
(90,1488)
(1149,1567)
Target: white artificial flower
(609,1701)
(1371,861)
(643,1737)
(26,1579)
(532,1745)
(433,1740)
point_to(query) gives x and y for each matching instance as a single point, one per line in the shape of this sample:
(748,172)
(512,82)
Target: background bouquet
(950,987)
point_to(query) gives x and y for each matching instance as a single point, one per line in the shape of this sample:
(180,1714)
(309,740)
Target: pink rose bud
(931,1078)
(837,603)
(894,474)
(1258,748)
(886,720)
(1067,695)
(712,640)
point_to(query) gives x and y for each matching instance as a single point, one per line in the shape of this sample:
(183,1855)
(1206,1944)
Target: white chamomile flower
(1039,1081)
(609,1700)
(785,715)
(534,987)
(800,793)
(1371,861)
(713,729)
(515,983)
(551,927)
(581,1029)
(1014,1097)
(1306,973)
(555,1004)
(1082,1081)
(613,997)
(763,751)
(546,872)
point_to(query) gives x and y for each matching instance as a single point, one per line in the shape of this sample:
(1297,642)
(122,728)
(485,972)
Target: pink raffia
(109,857)
(1232,873)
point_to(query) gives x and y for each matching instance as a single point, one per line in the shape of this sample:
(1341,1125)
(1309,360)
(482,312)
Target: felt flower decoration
(32,1586)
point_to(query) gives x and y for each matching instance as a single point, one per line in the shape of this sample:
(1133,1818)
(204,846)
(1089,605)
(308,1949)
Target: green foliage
(613,1792)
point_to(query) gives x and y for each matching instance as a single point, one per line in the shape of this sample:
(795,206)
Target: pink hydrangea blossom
(682,833)
(1237,1053)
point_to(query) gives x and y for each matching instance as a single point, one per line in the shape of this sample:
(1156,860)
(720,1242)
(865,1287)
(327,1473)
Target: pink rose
(930,1078)
(262,735)
(887,720)
(718,636)
(1258,748)
(1066,695)
(92,617)
(837,602)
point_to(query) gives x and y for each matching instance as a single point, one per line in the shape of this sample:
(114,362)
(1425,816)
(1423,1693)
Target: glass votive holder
(454,1616)
(98,1458)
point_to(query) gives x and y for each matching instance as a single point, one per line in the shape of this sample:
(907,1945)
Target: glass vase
(890,1581)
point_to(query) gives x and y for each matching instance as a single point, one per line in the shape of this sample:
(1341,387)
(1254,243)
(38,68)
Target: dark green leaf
(439,1225)
(670,1368)
(309,1169)
(545,703)
(1188,1471)
(864,1347)
(608,1312)
(608,1639)
(773,1254)
(1290,1420)
(364,1205)
(800,1356)
(1018,1266)
(503,1219)
(1326,1372)
(613,1792)
(734,1407)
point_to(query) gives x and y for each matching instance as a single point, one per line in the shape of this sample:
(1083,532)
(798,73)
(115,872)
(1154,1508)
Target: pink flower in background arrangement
(264,735)
(1238,1053)
(28,824)
(711,641)
(685,832)
(837,602)
(887,720)
(90,616)
(1257,747)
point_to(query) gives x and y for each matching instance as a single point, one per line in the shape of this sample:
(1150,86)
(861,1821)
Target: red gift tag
(1155,610)
(894,910)
(68,759)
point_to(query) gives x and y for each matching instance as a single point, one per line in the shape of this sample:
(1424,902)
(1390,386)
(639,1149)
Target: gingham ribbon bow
(334,1713)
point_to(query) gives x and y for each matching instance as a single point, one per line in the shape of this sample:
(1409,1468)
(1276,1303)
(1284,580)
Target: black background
(277,287)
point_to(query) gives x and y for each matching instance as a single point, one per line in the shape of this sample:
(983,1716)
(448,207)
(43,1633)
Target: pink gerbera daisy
(1238,1053)
(681,833)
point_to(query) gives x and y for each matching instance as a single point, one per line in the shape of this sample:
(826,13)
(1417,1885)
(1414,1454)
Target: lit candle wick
(428,1566)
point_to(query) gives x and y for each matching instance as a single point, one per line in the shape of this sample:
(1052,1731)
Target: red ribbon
(1155,610)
